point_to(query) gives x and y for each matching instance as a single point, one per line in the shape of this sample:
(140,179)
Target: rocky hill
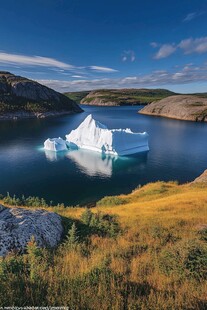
(121,97)
(182,107)
(21,97)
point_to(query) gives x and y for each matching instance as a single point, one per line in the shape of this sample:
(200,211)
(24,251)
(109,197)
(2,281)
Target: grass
(157,259)
(77,96)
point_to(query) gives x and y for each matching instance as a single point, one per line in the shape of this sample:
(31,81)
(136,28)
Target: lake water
(178,151)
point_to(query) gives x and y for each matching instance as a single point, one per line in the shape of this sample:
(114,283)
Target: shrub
(187,259)
(164,235)
(30,201)
(101,224)
(37,259)
(196,261)
(86,216)
(203,234)
(111,201)
(11,264)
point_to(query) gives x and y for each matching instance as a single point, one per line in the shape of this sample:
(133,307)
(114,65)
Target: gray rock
(18,225)
(202,178)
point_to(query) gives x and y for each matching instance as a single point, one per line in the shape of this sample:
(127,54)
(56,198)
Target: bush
(101,224)
(111,201)
(203,234)
(11,264)
(164,235)
(38,259)
(187,259)
(86,216)
(30,201)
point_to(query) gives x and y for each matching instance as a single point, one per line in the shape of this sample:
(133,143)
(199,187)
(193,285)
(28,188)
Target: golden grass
(159,218)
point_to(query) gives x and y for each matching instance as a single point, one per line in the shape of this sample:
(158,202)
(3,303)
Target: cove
(178,151)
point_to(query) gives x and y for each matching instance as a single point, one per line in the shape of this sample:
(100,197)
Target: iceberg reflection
(100,165)
(95,164)
(54,156)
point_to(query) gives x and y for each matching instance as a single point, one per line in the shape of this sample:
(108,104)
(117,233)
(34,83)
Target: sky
(72,45)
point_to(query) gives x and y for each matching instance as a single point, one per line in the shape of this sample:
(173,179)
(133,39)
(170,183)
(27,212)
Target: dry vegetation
(146,250)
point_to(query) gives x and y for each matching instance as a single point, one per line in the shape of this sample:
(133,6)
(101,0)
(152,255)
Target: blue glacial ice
(55,144)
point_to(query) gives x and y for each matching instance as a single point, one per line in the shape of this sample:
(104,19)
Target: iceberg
(94,136)
(55,144)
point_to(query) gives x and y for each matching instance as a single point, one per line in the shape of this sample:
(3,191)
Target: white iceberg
(55,144)
(94,136)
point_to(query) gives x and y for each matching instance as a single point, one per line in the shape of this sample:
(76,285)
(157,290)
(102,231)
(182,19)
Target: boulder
(18,225)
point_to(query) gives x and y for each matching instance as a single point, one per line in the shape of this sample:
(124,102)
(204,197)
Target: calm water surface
(178,151)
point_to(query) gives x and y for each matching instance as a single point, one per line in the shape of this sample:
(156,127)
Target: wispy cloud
(188,46)
(193,15)
(14,59)
(165,51)
(154,44)
(102,69)
(77,76)
(24,61)
(128,55)
(188,74)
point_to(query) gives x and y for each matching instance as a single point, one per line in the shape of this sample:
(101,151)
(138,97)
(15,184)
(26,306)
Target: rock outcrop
(202,178)
(22,97)
(18,225)
(182,107)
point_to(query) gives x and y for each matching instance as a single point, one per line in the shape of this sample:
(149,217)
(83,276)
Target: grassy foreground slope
(146,250)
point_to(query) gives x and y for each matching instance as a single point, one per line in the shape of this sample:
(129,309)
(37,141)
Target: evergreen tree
(72,238)
(86,216)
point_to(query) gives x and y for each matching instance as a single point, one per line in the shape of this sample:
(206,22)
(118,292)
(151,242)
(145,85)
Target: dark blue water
(178,151)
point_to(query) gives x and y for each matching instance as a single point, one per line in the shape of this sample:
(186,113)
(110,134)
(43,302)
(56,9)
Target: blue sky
(73,45)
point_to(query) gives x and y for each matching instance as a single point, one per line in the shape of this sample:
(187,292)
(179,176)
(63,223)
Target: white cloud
(188,46)
(165,51)
(14,59)
(154,44)
(77,76)
(128,56)
(191,45)
(102,69)
(192,74)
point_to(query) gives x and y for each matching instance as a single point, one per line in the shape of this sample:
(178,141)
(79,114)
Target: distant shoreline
(29,115)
